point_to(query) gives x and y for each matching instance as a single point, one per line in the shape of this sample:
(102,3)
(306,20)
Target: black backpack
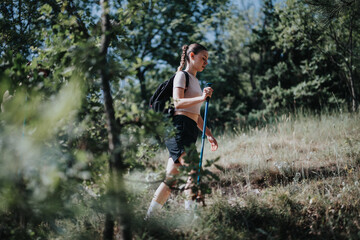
(163,94)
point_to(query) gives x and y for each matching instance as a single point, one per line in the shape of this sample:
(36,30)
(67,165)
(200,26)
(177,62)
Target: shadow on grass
(274,177)
(287,219)
(258,222)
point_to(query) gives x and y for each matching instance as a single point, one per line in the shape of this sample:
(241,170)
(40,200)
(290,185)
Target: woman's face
(199,60)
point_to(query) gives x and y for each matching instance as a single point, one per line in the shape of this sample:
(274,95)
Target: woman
(186,120)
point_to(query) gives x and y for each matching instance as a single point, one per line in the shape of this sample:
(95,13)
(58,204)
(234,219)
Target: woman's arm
(210,137)
(200,125)
(181,102)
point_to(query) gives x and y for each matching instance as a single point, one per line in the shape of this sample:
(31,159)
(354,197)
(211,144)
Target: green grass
(296,179)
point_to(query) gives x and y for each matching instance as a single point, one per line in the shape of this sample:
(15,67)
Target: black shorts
(186,134)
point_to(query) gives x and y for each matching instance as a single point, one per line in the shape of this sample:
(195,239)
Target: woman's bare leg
(163,191)
(189,195)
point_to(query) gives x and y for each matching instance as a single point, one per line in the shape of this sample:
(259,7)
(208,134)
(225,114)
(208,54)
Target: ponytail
(183,57)
(186,50)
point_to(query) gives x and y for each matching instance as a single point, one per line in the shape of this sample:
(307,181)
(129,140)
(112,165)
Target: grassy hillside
(296,179)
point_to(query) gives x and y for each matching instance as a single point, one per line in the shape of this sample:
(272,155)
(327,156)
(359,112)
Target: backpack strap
(187,79)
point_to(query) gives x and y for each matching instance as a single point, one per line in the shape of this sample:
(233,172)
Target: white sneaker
(189,205)
(153,208)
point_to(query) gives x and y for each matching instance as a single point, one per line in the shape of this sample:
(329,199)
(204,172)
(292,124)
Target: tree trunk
(348,71)
(109,227)
(353,93)
(116,190)
(141,76)
(252,70)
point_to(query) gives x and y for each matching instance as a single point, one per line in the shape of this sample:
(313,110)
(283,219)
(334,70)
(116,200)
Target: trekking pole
(203,134)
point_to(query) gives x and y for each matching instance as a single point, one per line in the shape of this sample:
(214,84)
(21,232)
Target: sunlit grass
(294,146)
(296,179)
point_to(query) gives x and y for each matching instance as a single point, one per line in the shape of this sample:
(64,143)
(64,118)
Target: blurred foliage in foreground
(54,141)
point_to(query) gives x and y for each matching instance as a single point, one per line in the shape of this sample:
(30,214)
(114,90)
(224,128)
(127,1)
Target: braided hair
(186,50)
(183,57)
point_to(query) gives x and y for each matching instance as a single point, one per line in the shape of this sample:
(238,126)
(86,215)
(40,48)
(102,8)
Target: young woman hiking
(186,120)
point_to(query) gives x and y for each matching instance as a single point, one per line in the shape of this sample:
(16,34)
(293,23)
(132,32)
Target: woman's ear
(192,55)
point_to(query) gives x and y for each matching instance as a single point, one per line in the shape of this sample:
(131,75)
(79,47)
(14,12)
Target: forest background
(75,86)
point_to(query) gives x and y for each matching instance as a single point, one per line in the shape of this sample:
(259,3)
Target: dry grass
(309,146)
(301,173)
(296,179)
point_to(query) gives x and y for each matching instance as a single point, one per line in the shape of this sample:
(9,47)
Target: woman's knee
(172,168)
(182,160)
(171,171)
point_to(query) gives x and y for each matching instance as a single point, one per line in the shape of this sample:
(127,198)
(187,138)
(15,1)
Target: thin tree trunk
(109,227)
(113,131)
(348,73)
(252,64)
(117,167)
(353,93)
(141,76)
